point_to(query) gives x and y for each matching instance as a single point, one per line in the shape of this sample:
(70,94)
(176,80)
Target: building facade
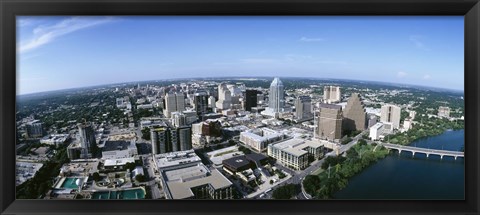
(331,94)
(293,153)
(303,107)
(354,114)
(250,99)
(391,114)
(330,122)
(443,112)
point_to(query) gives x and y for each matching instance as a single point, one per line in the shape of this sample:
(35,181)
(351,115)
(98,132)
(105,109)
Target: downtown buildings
(329,122)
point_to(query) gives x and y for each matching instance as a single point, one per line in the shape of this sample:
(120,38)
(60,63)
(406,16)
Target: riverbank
(404,176)
(361,156)
(338,170)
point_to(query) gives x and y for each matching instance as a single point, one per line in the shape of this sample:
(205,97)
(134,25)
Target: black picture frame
(470,9)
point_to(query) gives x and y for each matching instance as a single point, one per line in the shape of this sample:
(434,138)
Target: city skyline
(425,51)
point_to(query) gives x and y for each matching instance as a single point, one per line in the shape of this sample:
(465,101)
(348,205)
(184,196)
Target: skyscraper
(250,99)
(160,140)
(331,94)
(303,107)
(391,114)
(200,100)
(185,138)
(276,97)
(330,122)
(224,97)
(87,139)
(173,102)
(354,114)
(211,102)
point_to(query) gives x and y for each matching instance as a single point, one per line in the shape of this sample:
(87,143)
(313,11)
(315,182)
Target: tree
(140,178)
(311,183)
(146,134)
(286,191)
(130,166)
(96,176)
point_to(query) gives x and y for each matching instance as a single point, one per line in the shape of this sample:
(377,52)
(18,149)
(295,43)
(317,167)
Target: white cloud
(418,41)
(401,74)
(426,77)
(307,39)
(45,34)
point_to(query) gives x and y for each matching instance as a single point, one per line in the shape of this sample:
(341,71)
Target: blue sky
(66,52)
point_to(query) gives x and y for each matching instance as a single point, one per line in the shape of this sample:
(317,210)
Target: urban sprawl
(218,139)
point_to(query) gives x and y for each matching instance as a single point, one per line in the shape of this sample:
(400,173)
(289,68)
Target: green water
(70,183)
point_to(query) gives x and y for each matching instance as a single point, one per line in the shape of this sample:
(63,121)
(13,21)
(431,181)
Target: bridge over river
(428,152)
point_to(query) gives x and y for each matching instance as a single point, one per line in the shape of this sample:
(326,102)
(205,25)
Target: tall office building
(224,97)
(330,122)
(331,94)
(179,119)
(391,114)
(354,114)
(88,142)
(303,107)
(250,99)
(211,102)
(159,138)
(200,101)
(276,97)
(185,138)
(174,102)
(34,129)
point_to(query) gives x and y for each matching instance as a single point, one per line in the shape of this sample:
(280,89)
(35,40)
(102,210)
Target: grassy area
(318,171)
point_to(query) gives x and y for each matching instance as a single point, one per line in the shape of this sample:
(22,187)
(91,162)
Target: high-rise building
(250,99)
(211,102)
(276,97)
(34,129)
(88,142)
(391,114)
(173,102)
(303,107)
(224,97)
(178,119)
(185,138)
(330,122)
(354,114)
(331,94)
(160,140)
(200,100)
(443,111)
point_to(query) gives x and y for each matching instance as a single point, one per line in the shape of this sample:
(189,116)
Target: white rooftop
(295,146)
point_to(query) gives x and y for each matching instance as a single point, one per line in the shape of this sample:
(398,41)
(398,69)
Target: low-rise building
(293,153)
(258,139)
(55,139)
(119,149)
(184,176)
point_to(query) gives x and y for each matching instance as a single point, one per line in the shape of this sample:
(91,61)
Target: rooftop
(196,176)
(295,146)
(116,145)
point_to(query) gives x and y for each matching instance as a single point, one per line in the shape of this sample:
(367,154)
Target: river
(406,177)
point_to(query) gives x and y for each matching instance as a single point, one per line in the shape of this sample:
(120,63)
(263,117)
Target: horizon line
(219,77)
